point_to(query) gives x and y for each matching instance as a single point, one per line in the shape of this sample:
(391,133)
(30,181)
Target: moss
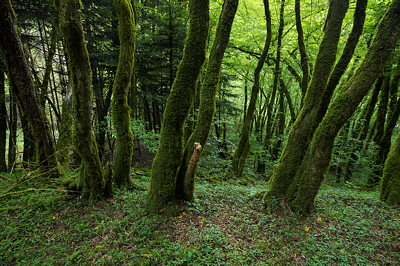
(3,121)
(310,174)
(208,91)
(390,184)
(120,107)
(169,155)
(307,121)
(81,80)
(64,143)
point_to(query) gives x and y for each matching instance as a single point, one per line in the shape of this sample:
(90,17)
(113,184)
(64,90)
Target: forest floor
(226,225)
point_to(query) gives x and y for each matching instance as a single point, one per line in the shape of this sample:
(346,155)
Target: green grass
(226,225)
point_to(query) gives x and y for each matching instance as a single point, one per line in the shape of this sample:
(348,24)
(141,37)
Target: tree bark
(307,120)
(3,120)
(311,171)
(168,158)
(120,106)
(208,89)
(390,184)
(12,127)
(92,178)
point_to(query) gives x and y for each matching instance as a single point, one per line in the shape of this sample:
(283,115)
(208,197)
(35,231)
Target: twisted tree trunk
(168,158)
(120,106)
(208,89)
(92,179)
(311,171)
(307,121)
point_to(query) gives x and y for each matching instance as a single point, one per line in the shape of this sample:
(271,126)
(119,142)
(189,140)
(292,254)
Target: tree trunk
(311,171)
(3,120)
(24,91)
(307,120)
(347,54)
(168,158)
(208,89)
(28,156)
(390,185)
(244,145)
(120,106)
(64,143)
(12,126)
(370,109)
(392,117)
(382,108)
(92,178)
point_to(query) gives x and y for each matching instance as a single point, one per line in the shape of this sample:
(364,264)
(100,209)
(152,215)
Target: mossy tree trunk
(307,121)
(24,91)
(208,89)
(120,105)
(370,109)
(382,107)
(311,171)
(168,158)
(390,184)
(12,127)
(28,156)
(380,126)
(81,81)
(244,146)
(3,120)
(345,58)
(393,114)
(64,142)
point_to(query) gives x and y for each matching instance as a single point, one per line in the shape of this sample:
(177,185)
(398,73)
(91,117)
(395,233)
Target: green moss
(170,151)
(81,80)
(311,172)
(208,90)
(3,121)
(64,143)
(390,184)
(120,107)
(307,121)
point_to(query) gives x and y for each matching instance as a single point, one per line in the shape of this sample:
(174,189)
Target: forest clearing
(198,132)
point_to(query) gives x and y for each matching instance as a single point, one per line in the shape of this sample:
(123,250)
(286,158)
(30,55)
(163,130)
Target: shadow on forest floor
(225,225)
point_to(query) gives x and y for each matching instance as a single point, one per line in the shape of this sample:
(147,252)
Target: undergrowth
(225,225)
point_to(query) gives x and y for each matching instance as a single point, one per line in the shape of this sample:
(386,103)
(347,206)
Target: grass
(225,225)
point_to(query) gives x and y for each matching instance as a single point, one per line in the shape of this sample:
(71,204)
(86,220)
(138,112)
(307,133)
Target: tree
(3,119)
(306,122)
(170,151)
(120,107)
(24,89)
(208,89)
(390,184)
(311,171)
(244,146)
(92,179)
